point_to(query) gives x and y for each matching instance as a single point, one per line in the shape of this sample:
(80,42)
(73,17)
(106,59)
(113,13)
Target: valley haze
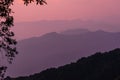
(55,49)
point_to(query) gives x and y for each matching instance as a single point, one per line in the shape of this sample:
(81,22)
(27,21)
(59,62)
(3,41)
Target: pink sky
(68,9)
(99,12)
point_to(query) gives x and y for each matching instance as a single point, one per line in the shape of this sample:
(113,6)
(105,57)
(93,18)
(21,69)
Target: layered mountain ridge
(99,66)
(55,49)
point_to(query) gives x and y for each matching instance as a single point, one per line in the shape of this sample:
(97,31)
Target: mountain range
(24,30)
(99,66)
(56,49)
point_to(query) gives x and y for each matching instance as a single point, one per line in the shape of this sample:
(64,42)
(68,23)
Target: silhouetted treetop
(41,2)
(7,41)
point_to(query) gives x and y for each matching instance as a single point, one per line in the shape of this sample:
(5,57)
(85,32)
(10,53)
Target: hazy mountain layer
(53,49)
(100,66)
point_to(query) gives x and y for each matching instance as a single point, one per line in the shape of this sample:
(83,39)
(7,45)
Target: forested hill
(55,49)
(100,66)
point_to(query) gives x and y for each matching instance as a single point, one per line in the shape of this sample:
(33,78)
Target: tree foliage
(7,41)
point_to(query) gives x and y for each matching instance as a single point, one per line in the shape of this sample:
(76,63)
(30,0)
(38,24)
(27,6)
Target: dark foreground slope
(55,49)
(100,66)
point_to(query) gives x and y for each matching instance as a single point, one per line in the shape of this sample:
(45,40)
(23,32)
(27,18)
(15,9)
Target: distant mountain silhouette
(54,49)
(75,31)
(39,28)
(100,66)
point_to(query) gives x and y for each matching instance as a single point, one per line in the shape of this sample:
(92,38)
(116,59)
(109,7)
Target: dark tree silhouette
(7,42)
(99,66)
